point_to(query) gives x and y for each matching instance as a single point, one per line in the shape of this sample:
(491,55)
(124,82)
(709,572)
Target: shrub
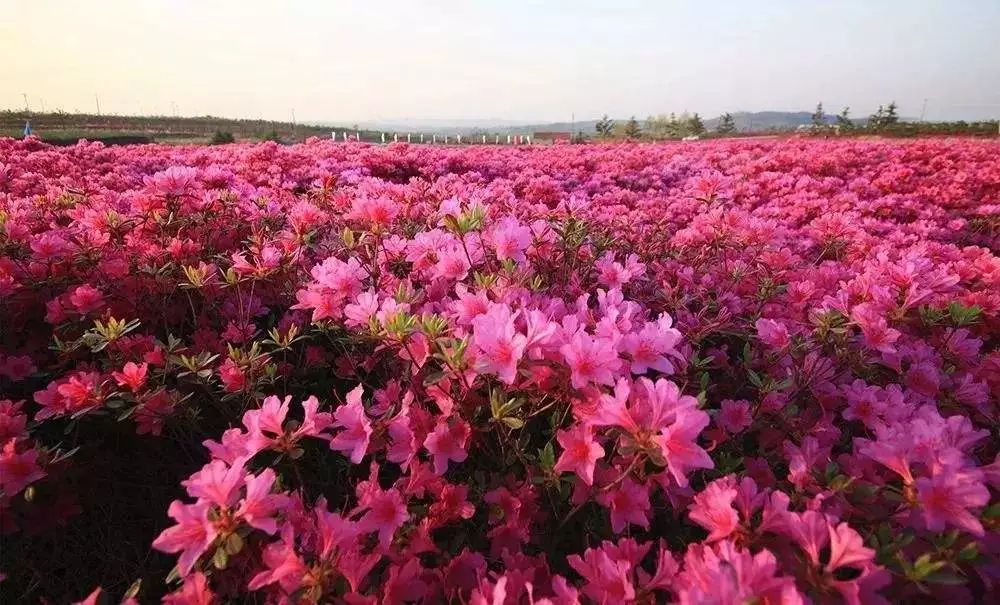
(222,138)
(746,371)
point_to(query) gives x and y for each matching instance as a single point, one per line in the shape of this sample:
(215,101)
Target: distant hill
(745,121)
(768,120)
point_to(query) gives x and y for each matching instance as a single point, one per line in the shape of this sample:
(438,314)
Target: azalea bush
(730,372)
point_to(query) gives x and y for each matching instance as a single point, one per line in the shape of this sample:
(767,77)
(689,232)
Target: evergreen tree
(632,129)
(818,117)
(877,119)
(726,124)
(891,116)
(674,129)
(605,126)
(843,119)
(694,125)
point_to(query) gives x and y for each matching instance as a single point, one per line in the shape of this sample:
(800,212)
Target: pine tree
(843,119)
(726,124)
(891,116)
(695,126)
(632,128)
(605,126)
(674,129)
(877,119)
(818,117)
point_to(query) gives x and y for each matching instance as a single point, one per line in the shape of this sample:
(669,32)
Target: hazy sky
(341,60)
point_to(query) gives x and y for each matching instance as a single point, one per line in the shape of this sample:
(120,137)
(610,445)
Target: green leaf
(133,590)
(513,422)
(547,457)
(220,559)
(234,544)
(969,552)
(946,577)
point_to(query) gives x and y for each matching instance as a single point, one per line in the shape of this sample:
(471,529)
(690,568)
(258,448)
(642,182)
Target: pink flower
(875,329)
(153,410)
(650,347)
(580,452)
(713,509)
(452,265)
(217,483)
(924,379)
(607,579)
(48,246)
(510,239)
(282,565)
(629,503)
(614,274)
(195,591)
(386,513)
(724,573)
(132,376)
(656,415)
(946,497)
(403,442)
(773,333)
(374,213)
(360,312)
(452,504)
(259,506)
(734,416)
(86,298)
(232,377)
(679,445)
(191,536)
(17,367)
(847,548)
(447,442)
(76,395)
(500,345)
(12,421)
(357,429)
(18,470)
(176,181)
(590,360)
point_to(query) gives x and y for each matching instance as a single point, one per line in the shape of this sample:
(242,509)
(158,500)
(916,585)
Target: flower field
(727,372)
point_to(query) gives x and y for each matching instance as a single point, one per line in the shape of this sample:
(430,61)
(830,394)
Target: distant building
(552,137)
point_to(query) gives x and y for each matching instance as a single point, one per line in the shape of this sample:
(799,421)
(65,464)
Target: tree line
(885,121)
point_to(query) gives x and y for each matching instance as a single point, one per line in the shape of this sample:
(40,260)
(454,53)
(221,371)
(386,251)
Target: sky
(349,61)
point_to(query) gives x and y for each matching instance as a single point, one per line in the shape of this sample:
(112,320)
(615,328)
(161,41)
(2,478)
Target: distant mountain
(768,120)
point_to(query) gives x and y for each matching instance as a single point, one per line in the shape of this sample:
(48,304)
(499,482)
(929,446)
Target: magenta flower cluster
(729,372)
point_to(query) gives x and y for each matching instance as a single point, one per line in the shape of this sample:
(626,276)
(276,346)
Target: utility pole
(98,100)
(26,108)
(923,110)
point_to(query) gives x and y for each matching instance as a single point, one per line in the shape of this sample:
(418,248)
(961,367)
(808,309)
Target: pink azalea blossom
(946,497)
(190,537)
(351,417)
(448,442)
(580,452)
(500,345)
(590,360)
